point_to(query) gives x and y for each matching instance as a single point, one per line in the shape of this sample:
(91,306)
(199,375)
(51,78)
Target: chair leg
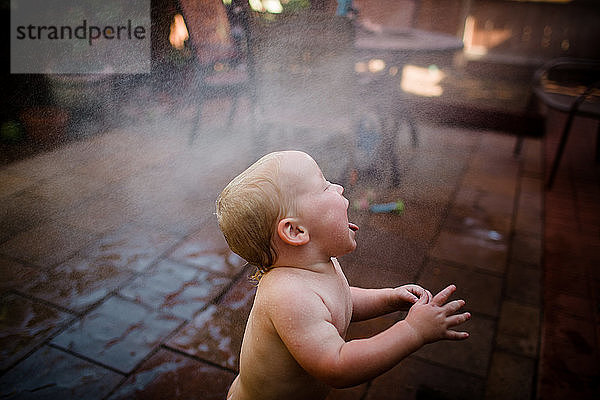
(598,144)
(518,145)
(413,131)
(195,123)
(561,149)
(232,110)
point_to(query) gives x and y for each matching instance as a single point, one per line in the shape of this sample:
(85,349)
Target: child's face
(321,206)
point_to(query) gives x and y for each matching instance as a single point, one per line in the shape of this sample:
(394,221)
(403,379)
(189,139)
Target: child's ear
(291,232)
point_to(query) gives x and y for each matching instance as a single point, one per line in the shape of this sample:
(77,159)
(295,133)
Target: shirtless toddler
(284,217)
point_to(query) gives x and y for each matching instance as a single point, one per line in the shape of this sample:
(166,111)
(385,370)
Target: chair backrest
(569,74)
(209,29)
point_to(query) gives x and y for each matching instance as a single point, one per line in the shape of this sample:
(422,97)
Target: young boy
(283,216)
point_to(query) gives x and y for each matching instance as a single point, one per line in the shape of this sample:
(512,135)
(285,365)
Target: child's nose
(339,188)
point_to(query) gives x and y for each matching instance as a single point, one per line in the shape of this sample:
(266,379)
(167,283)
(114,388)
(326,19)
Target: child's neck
(315,264)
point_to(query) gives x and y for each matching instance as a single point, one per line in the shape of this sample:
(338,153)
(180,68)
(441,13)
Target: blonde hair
(248,210)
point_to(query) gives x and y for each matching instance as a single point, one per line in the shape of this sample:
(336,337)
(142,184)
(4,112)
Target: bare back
(267,368)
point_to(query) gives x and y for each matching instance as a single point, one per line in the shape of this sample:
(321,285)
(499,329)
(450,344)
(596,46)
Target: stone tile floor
(117,284)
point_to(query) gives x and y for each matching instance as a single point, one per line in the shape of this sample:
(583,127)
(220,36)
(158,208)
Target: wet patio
(117,284)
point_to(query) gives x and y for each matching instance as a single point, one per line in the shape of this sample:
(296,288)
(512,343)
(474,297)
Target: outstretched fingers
(454,320)
(458,319)
(453,335)
(444,295)
(454,306)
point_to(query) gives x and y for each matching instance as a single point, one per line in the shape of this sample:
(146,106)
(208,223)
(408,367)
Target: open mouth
(352,227)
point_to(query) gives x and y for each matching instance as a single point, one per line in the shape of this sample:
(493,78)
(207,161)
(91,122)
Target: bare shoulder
(287,283)
(289,289)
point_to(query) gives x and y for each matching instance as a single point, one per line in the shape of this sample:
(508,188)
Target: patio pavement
(116,283)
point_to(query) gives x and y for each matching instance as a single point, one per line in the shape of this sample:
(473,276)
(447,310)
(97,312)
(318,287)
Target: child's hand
(408,295)
(432,320)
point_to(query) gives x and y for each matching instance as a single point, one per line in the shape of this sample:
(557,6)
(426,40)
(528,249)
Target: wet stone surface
(416,379)
(168,375)
(216,333)
(208,250)
(511,377)
(50,373)
(175,289)
(133,247)
(48,244)
(480,252)
(24,325)
(481,291)
(77,283)
(391,259)
(14,274)
(459,355)
(118,333)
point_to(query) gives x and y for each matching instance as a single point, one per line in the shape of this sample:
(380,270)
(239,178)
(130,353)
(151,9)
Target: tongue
(352,226)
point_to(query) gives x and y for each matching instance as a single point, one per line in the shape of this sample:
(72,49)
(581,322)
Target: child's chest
(335,293)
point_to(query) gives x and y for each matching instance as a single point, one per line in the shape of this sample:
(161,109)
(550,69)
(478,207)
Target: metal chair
(223,68)
(571,86)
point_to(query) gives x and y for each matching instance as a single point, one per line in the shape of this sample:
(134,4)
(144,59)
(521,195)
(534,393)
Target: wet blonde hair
(249,209)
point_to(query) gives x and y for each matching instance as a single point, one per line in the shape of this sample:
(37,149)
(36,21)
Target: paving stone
(168,375)
(132,247)
(526,249)
(77,283)
(216,333)
(21,212)
(532,156)
(182,205)
(50,373)
(415,379)
(510,377)
(574,306)
(524,284)
(529,214)
(353,393)
(175,289)
(484,202)
(519,329)
(14,274)
(383,259)
(47,244)
(25,324)
(497,145)
(471,355)
(208,250)
(493,183)
(101,214)
(557,279)
(479,223)
(65,191)
(118,333)
(42,166)
(478,252)
(571,344)
(556,381)
(481,291)
(11,184)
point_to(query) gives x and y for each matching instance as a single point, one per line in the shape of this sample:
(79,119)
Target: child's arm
(305,325)
(371,303)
